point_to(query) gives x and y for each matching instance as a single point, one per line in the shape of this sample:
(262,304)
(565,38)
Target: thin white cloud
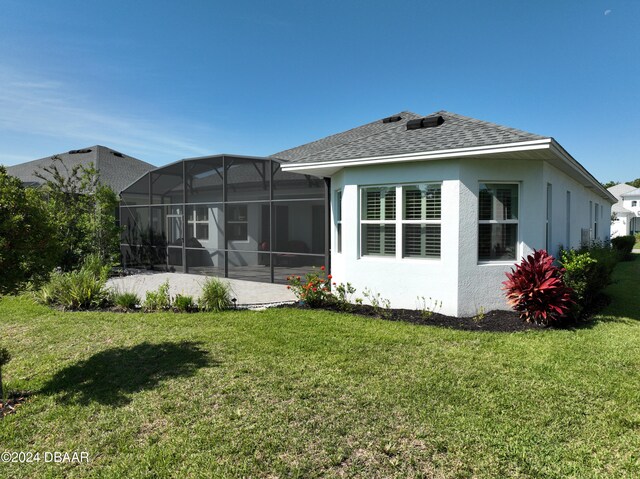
(607,12)
(47,108)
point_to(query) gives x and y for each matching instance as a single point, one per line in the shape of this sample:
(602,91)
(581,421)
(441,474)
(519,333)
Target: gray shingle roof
(635,192)
(116,170)
(620,189)
(379,139)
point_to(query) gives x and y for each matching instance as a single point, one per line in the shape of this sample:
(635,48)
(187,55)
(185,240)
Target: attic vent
(76,152)
(426,122)
(117,153)
(392,119)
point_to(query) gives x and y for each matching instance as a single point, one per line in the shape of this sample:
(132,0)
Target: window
(339,221)
(378,221)
(568,214)
(198,222)
(419,225)
(595,222)
(421,229)
(237,223)
(590,220)
(634,203)
(549,207)
(497,221)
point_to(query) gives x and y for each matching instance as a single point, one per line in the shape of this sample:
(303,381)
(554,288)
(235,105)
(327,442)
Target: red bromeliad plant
(536,290)
(314,289)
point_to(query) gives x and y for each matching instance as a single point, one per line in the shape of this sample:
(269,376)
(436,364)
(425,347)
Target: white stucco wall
(583,206)
(401,281)
(458,279)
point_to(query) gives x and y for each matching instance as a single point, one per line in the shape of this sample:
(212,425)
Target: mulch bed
(495,321)
(13,402)
(492,321)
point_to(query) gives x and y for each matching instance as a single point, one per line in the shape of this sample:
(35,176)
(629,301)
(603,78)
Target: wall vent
(426,122)
(391,119)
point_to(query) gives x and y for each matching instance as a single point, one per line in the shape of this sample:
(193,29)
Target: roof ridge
(347,140)
(488,123)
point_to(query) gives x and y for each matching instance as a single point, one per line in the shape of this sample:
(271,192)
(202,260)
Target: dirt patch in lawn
(14,401)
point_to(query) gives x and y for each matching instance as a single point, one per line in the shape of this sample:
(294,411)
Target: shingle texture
(620,189)
(379,139)
(635,192)
(116,170)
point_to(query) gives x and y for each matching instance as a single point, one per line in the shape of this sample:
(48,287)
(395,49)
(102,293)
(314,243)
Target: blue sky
(164,80)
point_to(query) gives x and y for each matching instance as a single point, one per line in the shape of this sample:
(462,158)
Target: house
(116,169)
(625,213)
(408,206)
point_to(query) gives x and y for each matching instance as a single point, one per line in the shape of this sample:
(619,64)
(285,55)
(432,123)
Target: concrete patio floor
(248,293)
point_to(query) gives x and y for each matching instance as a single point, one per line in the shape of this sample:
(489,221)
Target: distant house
(626,212)
(407,206)
(116,169)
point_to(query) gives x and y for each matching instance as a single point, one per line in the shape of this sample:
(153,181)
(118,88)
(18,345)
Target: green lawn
(284,393)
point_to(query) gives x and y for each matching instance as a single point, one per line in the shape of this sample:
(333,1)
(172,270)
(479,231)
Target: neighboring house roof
(634,192)
(620,190)
(458,136)
(378,139)
(116,169)
(619,209)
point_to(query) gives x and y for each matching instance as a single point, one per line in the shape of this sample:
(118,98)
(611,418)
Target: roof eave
(327,168)
(571,166)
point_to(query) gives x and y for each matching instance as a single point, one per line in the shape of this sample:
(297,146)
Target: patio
(249,294)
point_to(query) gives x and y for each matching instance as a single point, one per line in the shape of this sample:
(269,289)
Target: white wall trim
(428,155)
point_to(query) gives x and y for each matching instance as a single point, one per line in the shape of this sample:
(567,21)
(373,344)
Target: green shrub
(343,295)
(216,295)
(82,211)
(184,304)
(125,300)
(313,290)
(588,271)
(624,245)
(159,299)
(95,265)
(74,290)
(28,247)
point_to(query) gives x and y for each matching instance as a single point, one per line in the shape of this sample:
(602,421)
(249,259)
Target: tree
(28,249)
(609,184)
(5,357)
(83,211)
(635,183)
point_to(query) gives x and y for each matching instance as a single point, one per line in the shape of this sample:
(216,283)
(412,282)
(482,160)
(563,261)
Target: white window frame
(193,220)
(338,217)
(245,221)
(403,222)
(398,223)
(568,220)
(549,217)
(518,252)
(385,222)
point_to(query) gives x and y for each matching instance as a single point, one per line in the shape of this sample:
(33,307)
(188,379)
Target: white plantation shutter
(422,241)
(378,221)
(419,224)
(421,221)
